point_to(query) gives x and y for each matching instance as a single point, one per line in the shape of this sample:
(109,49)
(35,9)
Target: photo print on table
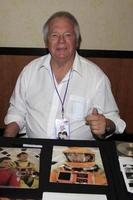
(125,157)
(19,167)
(77,165)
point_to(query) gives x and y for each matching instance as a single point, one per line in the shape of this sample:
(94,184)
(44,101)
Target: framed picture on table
(79,167)
(20,168)
(44,168)
(124,161)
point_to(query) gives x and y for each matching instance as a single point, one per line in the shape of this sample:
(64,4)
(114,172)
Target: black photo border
(119,179)
(23,193)
(110,162)
(107,190)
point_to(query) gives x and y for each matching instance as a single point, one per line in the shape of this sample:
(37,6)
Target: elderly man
(63,90)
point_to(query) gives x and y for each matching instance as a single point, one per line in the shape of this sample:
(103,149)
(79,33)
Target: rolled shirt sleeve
(17,110)
(105,103)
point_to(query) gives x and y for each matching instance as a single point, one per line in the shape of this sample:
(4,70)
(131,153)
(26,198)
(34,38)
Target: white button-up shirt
(35,105)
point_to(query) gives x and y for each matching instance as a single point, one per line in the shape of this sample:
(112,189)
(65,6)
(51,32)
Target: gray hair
(68,16)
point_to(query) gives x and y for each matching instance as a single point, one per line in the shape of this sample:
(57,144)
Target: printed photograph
(77,165)
(125,157)
(127,171)
(124,148)
(19,167)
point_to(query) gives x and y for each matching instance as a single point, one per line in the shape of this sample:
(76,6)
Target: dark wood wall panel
(10,67)
(119,71)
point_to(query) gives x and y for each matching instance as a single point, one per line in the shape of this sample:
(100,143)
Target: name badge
(62,129)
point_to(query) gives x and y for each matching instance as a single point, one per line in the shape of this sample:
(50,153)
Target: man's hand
(97,123)
(11,130)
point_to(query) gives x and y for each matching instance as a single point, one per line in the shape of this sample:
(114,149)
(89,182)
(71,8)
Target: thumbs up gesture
(94,111)
(97,122)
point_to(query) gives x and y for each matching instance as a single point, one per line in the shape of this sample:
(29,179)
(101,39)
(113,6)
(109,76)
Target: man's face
(23,157)
(62,41)
(5,163)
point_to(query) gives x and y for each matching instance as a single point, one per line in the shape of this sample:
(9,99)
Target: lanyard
(61,100)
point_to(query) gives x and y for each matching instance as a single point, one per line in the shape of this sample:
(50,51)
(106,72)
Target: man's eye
(67,34)
(54,35)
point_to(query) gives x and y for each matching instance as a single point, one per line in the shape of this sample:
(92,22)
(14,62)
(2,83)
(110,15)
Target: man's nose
(61,38)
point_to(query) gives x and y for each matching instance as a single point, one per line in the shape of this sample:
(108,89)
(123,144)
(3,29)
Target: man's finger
(94,111)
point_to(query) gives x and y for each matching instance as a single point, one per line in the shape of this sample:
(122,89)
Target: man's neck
(60,69)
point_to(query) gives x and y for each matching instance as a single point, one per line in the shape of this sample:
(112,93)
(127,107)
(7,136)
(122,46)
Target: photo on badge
(62,129)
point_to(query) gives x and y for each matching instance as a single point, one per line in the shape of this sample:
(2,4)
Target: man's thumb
(94,111)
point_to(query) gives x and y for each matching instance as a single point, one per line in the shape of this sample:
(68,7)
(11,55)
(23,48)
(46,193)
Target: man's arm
(11,130)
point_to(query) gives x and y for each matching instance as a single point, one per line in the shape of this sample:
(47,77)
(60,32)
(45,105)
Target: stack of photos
(125,155)
(19,167)
(77,165)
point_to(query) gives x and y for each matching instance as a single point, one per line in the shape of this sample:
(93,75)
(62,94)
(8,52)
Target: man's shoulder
(87,62)
(34,65)
(38,61)
(89,65)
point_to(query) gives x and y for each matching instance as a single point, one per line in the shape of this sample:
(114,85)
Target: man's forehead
(61,20)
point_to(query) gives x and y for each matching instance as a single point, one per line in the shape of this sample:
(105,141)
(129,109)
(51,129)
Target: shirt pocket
(76,108)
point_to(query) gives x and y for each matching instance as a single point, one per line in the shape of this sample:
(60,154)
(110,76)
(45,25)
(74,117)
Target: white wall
(105,24)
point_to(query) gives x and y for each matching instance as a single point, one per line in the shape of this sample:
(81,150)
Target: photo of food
(77,165)
(19,167)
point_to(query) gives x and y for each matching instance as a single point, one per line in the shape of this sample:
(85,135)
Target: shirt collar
(46,62)
(76,64)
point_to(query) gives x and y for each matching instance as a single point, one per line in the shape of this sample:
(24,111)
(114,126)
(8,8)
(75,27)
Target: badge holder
(62,129)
